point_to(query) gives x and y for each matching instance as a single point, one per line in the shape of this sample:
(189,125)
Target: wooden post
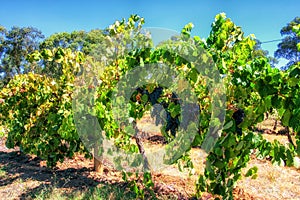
(289,136)
(275,125)
(98,165)
(139,143)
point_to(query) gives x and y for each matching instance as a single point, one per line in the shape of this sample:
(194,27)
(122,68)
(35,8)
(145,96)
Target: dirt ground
(24,175)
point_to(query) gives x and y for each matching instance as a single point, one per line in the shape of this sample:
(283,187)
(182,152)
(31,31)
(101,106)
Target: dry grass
(273,182)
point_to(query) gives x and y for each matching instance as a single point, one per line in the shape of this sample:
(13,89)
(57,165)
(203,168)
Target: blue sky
(262,18)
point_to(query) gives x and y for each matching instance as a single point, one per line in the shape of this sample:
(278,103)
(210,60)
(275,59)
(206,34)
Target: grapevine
(40,111)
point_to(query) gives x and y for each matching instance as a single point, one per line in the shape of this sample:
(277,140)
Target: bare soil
(22,176)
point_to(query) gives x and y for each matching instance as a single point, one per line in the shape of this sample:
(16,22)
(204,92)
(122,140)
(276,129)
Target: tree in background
(296,29)
(259,52)
(288,47)
(2,38)
(3,32)
(77,41)
(15,45)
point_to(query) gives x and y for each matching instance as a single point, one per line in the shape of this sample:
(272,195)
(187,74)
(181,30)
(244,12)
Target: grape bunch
(155,97)
(238,117)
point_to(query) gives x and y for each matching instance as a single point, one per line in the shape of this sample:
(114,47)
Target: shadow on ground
(18,166)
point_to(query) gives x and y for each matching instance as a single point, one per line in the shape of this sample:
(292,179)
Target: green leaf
(219,164)
(174,109)
(144,98)
(129,130)
(286,117)
(229,141)
(252,171)
(293,81)
(193,75)
(276,102)
(228,125)
(240,146)
(218,151)
(295,72)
